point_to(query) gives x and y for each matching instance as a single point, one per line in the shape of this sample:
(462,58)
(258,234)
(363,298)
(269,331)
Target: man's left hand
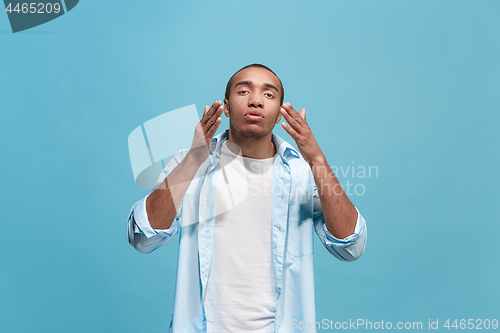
(300,131)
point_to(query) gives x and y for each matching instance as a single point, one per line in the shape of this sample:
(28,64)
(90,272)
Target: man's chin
(252,132)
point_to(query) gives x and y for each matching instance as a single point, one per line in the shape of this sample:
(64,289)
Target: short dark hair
(230,82)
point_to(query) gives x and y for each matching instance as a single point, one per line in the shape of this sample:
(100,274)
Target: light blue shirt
(296,212)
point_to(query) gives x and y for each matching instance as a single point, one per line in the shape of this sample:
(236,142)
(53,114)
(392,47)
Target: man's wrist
(318,160)
(195,159)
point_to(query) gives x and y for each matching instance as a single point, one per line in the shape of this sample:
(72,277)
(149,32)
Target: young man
(245,204)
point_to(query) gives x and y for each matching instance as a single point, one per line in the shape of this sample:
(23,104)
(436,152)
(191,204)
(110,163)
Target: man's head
(252,101)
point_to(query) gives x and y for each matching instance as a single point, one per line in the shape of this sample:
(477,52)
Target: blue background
(410,87)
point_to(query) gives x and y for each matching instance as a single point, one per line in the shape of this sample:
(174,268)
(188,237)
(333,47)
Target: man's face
(254,106)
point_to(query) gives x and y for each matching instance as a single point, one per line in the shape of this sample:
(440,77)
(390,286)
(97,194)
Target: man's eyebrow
(243,83)
(270,86)
(250,83)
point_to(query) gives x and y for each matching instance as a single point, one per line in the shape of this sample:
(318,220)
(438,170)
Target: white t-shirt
(240,294)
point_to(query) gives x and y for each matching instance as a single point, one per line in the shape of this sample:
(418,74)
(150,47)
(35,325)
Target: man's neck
(260,148)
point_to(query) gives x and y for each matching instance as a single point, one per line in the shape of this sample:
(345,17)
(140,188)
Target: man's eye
(270,95)
(242,91)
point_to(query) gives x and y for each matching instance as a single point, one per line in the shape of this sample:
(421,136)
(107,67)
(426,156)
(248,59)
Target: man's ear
(279,116)
(226,107)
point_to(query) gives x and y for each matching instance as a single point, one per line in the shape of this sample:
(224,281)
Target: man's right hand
(205,130)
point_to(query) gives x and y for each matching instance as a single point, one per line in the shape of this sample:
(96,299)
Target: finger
(293,113)
(211,120)
(213,108)
(290,120)
(211,131)
(290,131)
(290,108)
(303,114)
(210,112)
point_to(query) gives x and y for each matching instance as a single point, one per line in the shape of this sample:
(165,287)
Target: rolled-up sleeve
(141,235)
(346,249)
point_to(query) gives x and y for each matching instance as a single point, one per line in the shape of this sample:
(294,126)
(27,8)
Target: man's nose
(255,101)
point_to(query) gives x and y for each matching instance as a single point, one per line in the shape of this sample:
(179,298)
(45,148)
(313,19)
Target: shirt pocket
(300,230)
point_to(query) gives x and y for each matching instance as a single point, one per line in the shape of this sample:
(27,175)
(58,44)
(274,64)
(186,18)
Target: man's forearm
(340,214)
(163,203)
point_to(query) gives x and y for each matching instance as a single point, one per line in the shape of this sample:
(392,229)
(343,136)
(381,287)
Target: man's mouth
(253,116)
